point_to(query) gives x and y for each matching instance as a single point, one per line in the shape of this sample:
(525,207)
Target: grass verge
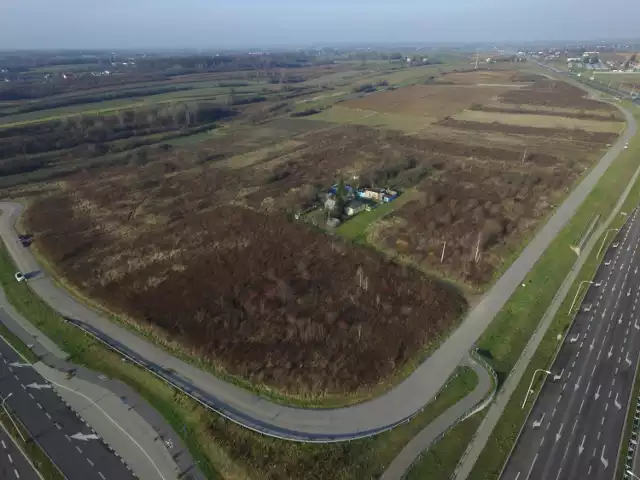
(626,434)
(441,459)
(31,450)
(508,334)
(221,447)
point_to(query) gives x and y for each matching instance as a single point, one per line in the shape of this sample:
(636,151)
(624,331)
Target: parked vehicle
(20,277)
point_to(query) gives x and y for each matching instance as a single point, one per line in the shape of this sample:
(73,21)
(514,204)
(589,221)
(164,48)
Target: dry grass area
(539,121)
(195,243)
(432,101)
(499,174)
(203,256)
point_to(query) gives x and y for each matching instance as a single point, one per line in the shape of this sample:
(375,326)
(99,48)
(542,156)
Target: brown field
(487,77)
(539,121)
(196,243)
(271,301)
(432,101)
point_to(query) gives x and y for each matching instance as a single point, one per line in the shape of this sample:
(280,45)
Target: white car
(626,145)
(615,245)
(20,277)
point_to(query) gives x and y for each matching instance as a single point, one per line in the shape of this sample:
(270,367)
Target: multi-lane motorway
(576,424)
(64,437)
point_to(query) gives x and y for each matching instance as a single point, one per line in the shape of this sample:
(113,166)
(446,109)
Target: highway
(13,464)
(311,425)
(69,443)
(575,427)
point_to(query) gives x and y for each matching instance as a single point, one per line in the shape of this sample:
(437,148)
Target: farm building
(379,195)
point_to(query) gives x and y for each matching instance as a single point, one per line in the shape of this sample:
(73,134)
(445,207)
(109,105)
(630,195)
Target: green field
(619,80)
(356,228)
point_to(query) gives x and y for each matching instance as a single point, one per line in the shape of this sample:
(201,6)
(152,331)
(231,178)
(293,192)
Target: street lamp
(605,238)
(10,418)
(577,292)
(530,391)
(629,472)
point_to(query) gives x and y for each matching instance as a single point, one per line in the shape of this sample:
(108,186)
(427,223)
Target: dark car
(25,240)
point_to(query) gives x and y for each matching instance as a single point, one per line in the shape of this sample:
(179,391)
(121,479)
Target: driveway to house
(316,425)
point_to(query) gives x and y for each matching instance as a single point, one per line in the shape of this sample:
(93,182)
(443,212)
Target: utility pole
(443,247)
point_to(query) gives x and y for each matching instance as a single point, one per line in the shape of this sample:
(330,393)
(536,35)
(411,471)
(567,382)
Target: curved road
(323,425)
(474,402)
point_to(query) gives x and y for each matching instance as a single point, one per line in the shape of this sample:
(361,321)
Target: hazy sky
(243,23)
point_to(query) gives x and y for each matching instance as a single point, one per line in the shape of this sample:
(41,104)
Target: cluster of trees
(179,65)
(91,98)
(29,90)
(20,145)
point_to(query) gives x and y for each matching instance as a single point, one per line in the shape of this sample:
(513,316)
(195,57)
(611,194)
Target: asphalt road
(361,420)
(576,424)
(423,440)
(13,463)
(65,438)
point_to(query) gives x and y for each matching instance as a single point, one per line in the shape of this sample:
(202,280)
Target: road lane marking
(90,462)
(79,449)
(10,459)
(528,474)
(581,404)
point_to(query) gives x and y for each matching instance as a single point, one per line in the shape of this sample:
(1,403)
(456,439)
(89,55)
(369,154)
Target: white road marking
(79,449)
(10,459)
(581,404)
(90,462)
